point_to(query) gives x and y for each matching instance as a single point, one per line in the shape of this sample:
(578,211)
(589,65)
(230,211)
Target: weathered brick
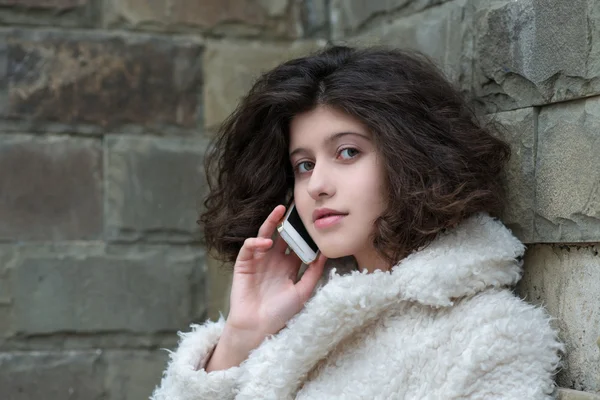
(518,128)
(350,16)
(237,17)
(135,290)
(524,55)
(50,188)
(52,13)
(564,279)
(101,79)
(69,375)
(45,4)
(154,187)
(315,18)
(422,32)
(7,257)
(233,67)
(133,374)
(567,173)
(570,394)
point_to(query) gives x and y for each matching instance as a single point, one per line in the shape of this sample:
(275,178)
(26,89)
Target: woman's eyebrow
(330,139)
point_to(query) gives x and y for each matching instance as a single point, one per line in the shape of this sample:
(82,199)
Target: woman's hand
(264,291)
(264,294)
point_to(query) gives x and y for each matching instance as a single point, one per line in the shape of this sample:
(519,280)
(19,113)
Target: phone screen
(296,222)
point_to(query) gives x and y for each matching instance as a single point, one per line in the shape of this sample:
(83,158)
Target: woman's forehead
(322,124)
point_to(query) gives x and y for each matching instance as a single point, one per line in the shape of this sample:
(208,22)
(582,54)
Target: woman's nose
(320,183)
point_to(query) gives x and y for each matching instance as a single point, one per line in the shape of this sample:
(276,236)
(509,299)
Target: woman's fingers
(250,246)
(311,276)
(268,227)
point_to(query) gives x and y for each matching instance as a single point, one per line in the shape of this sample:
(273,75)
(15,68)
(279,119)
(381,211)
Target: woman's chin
(331,252)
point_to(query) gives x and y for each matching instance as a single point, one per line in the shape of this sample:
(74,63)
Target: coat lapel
(477,254)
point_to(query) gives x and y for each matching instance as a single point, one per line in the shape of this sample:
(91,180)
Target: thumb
(311,276)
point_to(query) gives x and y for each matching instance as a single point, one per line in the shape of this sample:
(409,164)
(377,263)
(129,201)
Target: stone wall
(106,107)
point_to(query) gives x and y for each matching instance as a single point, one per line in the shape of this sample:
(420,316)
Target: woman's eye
(304,166)
(349,153)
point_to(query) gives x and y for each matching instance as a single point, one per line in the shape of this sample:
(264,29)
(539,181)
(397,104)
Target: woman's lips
(328,221)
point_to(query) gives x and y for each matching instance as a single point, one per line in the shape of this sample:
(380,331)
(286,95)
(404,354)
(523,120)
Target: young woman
(386,164)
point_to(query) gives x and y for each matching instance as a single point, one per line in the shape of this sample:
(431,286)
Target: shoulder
(510,346)
(498,315)
(500,306)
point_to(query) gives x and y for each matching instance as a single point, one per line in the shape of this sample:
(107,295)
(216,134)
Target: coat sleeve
(513,352)
(185,377)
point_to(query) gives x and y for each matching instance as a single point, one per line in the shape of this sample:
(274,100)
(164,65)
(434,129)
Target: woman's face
(338,180)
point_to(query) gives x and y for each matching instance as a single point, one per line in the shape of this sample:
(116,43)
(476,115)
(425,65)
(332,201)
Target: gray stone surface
(133,374)
(568,172)
(532,52)
(315,18)
(518,128)
(101,79)
(570,394)
(234,66)
(65,13)
(154,188)
(565,280)
(81,374)
(442,32)
(45,4)
(50,188)
(232,18)
(73,375)
(82,289)
(350,16)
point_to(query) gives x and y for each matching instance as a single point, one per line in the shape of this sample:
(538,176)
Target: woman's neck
(370,260)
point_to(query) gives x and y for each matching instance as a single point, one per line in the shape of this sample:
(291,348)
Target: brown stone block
(232,67)
(104,80)
(50,188)
(350,16)
(48,4)
(243,17)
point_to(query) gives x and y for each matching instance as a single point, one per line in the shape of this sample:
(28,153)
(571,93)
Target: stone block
(133,374)
(233,67)
(568,173)
(73,375)
(238,17)
(50,188)
(350,16)
(564,279)
(450,21)
(518,128)
(154,188)
(570,394)
(315,18)
(105,80)
(524,54)
(45,4)
(63,13)
(83,289)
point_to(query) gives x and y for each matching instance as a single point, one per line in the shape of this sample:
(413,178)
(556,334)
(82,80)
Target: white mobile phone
(293,231)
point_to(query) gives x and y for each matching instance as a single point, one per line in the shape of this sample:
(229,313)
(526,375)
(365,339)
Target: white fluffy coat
(442,324)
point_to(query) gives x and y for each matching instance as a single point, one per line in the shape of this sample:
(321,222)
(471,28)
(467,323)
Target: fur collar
(480,253)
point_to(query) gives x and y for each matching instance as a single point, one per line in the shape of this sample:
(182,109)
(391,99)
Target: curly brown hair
(441,164)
